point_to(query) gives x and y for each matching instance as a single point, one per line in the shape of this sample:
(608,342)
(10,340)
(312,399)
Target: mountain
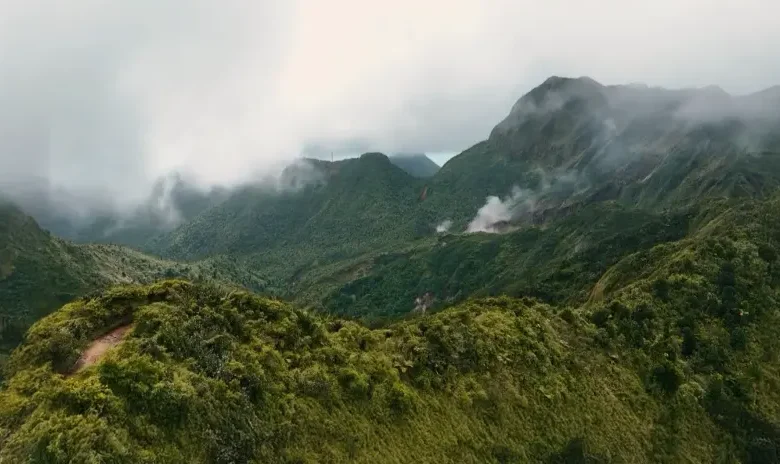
(577,175)
(597,281)
(416,164)
(40,272)
(570,152)
(575,141)
(677,361)
(320,212)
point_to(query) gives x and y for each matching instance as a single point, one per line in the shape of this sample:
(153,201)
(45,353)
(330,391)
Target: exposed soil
(98,348)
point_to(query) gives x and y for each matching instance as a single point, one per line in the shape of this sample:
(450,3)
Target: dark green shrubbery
(210,376)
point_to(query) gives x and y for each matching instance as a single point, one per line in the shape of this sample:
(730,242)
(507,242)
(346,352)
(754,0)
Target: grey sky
(105,96)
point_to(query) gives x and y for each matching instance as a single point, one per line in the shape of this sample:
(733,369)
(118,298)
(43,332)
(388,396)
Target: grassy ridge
(210,377)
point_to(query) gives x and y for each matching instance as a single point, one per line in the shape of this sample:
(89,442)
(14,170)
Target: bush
(668,376)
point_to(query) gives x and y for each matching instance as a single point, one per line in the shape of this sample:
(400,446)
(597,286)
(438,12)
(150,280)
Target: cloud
(101,98)
(300,174)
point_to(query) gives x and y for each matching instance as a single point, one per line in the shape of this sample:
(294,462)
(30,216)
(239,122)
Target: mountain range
(596,281)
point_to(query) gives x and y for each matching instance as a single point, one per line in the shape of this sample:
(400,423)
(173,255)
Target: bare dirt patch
(98,348)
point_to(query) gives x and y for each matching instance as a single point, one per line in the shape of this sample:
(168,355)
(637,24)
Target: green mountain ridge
(418,165)
(623,307)
(379,255)
(640,146)
(40,272)
(574,141)
(353,210)
(673,358)
(173,200)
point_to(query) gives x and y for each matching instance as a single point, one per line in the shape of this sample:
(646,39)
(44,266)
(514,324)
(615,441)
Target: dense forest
(595,282)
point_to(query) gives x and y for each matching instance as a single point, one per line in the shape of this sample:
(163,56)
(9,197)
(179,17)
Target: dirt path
(98,348)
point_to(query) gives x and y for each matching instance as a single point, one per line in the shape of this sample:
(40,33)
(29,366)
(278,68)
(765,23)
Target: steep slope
(324,211)
(558,263)
(39,272)
(575,141)
(417,165)
(586,173)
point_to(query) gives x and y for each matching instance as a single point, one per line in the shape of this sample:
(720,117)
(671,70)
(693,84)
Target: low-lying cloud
(100,99)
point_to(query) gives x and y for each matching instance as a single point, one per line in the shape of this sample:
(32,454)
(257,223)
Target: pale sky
(104,96)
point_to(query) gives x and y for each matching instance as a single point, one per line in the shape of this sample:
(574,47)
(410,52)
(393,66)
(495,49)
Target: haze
(99,98)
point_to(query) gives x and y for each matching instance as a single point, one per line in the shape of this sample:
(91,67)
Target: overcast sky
(106,95)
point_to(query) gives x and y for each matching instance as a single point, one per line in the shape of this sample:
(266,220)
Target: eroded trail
(98,348)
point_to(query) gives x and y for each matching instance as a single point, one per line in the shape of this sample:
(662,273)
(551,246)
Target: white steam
(496,211)
(444,227)
(496,214)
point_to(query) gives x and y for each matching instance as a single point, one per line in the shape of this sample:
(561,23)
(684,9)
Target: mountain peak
(11,216)
(375,156)
(715,91)
(16,227)
(554,94)
(553,82)
(416,164)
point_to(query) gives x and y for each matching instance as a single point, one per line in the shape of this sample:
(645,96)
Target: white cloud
(105,96)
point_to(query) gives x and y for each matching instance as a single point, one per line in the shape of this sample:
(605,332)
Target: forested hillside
(418,165)
(597,281)
(558,263)
(678,362)
(327,212)
(568,147)
(39,272)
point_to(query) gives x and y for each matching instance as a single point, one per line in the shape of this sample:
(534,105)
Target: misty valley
(596,281)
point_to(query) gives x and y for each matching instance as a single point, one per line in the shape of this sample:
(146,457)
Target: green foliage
(339,210)
(417,165)
(208,376)
(41,272)
(630,316)
(559,263)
